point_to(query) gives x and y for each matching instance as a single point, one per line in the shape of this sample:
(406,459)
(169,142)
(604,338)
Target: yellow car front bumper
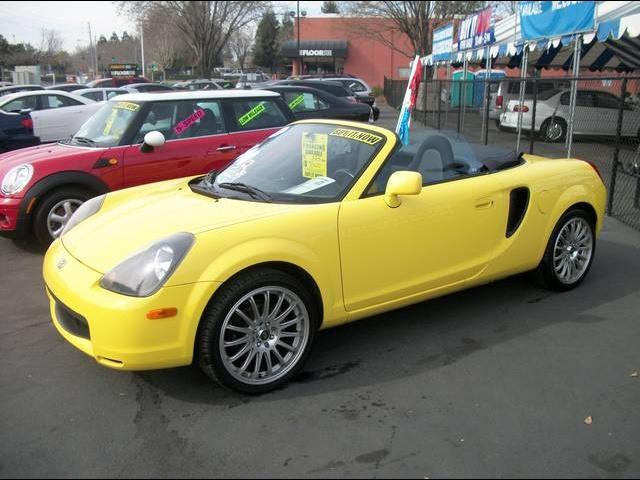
(113,328)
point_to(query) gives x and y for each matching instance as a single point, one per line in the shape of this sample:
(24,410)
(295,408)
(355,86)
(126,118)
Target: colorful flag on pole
(409,102)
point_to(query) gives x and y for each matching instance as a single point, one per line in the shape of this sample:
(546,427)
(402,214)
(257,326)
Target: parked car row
(596,114)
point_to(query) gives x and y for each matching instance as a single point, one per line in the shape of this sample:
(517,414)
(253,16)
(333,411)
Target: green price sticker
(296,101)
(252,114)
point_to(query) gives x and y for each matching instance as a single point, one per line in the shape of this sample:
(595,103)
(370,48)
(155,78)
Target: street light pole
(299,56)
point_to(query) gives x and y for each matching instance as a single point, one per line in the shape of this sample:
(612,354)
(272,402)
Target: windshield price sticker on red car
(314,154)
(368,138)
(252,114)
(296,101)
(189,121)
(132,107)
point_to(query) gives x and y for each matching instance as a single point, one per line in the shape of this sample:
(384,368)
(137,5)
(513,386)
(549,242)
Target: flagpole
(407,95)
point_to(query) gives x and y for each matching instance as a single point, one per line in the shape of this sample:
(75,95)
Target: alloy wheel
(60,215)
(573,250)
(264,335)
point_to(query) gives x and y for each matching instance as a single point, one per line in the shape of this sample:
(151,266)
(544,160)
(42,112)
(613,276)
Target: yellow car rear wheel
(257,331)
(570,251)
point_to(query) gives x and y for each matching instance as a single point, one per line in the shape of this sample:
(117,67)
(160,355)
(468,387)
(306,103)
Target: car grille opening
(72,322)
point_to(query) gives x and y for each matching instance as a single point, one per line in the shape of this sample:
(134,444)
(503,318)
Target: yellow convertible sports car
(324,223)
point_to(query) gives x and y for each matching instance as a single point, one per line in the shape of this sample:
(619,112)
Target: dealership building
(340,44)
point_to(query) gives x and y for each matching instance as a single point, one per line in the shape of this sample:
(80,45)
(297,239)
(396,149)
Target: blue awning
(614,44)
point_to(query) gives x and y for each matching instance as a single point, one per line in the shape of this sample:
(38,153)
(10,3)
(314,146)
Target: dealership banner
(554,19)
(476,31)
(442,43)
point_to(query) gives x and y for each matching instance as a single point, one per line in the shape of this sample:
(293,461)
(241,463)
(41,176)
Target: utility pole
(91,52)
(142,47)
(96,53)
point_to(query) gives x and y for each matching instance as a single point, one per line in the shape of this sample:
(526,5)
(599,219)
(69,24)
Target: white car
(596,114)
(55,114)
(100,94)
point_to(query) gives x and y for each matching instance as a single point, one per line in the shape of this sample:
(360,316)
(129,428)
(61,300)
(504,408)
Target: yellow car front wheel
(257,332)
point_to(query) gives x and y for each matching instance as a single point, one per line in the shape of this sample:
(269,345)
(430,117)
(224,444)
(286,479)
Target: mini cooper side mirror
(152,140)
(402,183)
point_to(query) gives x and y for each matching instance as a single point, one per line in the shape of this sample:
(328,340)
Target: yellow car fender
(568,198)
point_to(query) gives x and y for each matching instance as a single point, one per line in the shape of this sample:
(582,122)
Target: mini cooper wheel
(54,212)
(570,251)
(257,332)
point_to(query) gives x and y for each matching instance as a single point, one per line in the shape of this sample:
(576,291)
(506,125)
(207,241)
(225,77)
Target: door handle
(226,148)
(484,203)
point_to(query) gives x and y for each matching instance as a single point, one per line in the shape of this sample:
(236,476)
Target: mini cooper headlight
(145,272)
(16,179)
(87,209)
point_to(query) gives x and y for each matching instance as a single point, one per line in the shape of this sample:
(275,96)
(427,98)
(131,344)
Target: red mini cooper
(134,139)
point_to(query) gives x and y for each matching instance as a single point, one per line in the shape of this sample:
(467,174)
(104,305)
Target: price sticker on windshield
(314,154)
(132,107)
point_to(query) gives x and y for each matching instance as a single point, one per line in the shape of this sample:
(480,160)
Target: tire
(583,237)
(553,130)
(220,324)
(57,202)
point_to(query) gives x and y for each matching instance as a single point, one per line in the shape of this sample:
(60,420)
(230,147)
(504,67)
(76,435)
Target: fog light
(4,220)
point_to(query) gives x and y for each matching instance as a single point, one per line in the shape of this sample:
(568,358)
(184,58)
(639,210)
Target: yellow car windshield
(305,163)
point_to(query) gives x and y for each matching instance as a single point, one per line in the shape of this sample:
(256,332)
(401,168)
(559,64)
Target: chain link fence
(534,115)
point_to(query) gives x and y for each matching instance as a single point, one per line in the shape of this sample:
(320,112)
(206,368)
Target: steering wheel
(346,175)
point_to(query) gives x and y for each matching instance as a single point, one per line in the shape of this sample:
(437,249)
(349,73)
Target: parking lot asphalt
(496,381)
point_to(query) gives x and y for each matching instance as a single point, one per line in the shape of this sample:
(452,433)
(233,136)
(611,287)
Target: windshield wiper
(86,140)
(248,189)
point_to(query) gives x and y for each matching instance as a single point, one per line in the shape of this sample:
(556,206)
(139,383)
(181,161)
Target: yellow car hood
(131,220)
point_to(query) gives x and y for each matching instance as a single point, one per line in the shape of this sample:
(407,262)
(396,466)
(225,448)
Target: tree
(102,39)
(50,42)
(267,47)
(125,37)
(240,45)
(330,7)
(286,28)
(114,38)
(206,26)
(413,18)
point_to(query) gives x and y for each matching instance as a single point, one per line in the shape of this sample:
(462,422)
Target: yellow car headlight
(145,272)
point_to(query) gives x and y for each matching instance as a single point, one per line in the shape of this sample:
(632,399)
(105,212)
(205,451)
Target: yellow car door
(445,235)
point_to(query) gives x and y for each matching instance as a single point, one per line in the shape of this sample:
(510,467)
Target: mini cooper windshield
(303,163)
(107,126)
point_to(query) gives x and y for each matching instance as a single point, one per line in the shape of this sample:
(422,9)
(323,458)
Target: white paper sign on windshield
(310,185)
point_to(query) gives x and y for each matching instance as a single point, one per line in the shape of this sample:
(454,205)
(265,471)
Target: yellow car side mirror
(402,183)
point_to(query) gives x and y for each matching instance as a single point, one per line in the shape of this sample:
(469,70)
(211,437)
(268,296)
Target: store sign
(442,43)
(123,69)
(554,19)
(316,53)
(476,31)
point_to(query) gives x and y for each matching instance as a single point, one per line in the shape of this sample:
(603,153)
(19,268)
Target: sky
(24,21)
